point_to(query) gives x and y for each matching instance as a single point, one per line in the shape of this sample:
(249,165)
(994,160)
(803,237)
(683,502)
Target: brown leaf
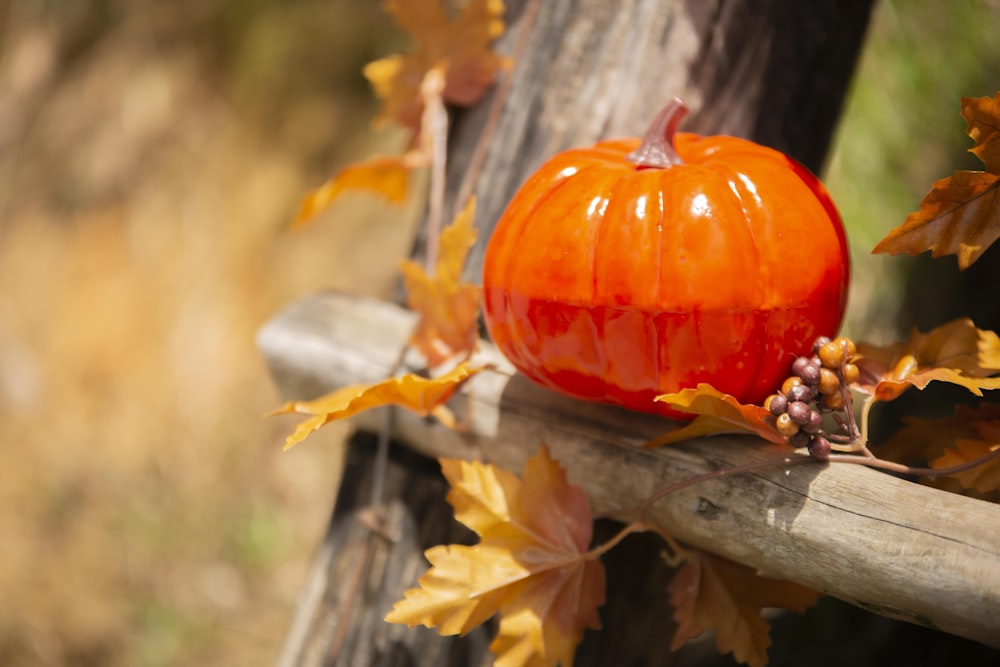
(415,393)
(718,413)
(448,307)
(713,592)
(956,352)
(942,443)
(531,564)
(460,46)
(984,478)
(983,116)
(961,214)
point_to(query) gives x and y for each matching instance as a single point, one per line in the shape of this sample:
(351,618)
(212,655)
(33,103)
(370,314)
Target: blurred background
(152,153)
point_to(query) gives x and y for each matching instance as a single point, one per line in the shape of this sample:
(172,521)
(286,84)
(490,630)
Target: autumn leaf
(713,592)
(961,214)
(448,307)
(384,175)
(415,393)
(718,413)
(531,565)
(460,46)
(984,478)
(968,435)
(956,352)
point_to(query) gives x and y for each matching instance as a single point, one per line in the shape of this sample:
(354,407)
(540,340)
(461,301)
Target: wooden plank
(896,548)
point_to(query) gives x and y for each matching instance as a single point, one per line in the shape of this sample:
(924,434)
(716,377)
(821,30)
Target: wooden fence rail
(894,547)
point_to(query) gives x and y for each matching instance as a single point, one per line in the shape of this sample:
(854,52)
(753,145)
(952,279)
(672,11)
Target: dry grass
(148,516)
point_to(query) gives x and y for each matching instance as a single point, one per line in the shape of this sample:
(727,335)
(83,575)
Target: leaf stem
(439,155)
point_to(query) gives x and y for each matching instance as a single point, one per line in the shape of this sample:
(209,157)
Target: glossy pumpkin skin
(616,283)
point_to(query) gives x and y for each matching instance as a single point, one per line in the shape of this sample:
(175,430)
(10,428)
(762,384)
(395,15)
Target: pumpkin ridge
(521,338)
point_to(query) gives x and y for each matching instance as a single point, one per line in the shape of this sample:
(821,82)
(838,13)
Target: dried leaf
(718,413)
(448,307)
(984,478)
(461,47)
(942,443)
(983,116)
(712,592)
(384,175)
(531,565)
(961,214)
(956,352)
(415,393)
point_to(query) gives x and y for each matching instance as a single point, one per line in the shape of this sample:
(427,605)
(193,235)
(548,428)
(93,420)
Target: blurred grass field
(151,155)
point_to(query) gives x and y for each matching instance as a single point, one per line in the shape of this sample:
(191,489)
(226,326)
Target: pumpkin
(636,268)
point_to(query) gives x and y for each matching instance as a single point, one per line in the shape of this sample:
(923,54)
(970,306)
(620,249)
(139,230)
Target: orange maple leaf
(713,592)
(460,46)
(717,413)
(961,214)
(531,565)
(956,352)
(415,393)
(448,307)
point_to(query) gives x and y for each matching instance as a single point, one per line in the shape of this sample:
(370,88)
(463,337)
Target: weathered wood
(371,553)
(774,71)
(896,548)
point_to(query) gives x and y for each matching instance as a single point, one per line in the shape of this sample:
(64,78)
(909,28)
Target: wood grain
(774,71)
(896,548)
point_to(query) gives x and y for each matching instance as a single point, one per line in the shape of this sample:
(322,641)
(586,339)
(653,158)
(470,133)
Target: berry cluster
(818,385)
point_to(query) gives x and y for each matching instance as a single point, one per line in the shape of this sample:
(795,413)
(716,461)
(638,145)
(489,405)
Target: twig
(873,461)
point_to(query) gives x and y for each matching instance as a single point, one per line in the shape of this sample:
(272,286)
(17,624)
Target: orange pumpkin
(631,269)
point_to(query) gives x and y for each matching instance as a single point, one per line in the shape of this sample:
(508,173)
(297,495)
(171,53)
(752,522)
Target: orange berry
(790,382)
(786,426)
(851,373)
(847,345)
(829,383)
(834,401)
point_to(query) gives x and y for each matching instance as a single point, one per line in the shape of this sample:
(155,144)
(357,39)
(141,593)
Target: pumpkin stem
(657,147)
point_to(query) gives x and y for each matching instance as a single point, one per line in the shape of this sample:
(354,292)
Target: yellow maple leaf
(713,592)
(531,565)
(717,413)
(448,307)
(956,352)
(418,394)
(961,214)
(461,46)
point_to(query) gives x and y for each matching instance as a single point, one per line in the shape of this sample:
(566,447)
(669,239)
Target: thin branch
(872,461)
